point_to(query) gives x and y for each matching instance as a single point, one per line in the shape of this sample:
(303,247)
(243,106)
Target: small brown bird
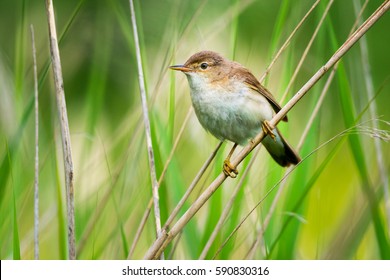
(232,105)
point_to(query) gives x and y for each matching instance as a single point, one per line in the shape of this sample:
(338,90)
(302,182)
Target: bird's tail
(280,150)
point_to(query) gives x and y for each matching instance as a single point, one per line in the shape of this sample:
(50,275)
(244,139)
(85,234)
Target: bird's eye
(204,65)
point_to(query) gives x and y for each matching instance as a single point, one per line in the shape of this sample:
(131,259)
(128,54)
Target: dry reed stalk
(192,186)
(158,247)
(65,134)
(148,134)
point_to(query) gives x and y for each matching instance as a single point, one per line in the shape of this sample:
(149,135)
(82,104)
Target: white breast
(234,113)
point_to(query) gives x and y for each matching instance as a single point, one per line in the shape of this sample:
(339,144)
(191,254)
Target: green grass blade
(16,242)
(279,25)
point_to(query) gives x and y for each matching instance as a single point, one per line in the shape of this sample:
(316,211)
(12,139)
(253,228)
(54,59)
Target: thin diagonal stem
(306,51)
(352,130)
(191,187)
(289,170)
(172,152)
(227,208)
(287,42)
(147,211)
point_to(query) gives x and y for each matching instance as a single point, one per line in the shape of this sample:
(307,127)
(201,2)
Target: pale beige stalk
(65,134)
(145,110)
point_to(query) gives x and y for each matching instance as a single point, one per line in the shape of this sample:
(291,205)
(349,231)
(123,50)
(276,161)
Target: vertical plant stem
(65,135)
(36,180)
(152,166)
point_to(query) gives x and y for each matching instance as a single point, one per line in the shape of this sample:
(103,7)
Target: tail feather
(280,150)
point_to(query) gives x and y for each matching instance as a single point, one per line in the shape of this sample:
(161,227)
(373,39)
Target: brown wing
(253,83)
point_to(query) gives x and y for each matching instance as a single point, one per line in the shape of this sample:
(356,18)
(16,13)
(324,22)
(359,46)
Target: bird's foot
(229,169)
(267,128)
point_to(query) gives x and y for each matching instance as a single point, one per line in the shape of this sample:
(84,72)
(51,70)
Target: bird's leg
(267,128)
(228,169)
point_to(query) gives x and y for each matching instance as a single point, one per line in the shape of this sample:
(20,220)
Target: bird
(232,105)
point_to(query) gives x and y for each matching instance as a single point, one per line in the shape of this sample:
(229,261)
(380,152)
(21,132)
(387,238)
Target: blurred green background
(324,210)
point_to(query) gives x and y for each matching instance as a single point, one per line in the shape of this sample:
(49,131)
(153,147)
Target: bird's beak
(181,68)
